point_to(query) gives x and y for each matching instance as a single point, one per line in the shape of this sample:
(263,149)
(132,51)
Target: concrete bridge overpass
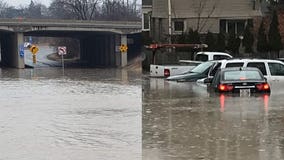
(99,40)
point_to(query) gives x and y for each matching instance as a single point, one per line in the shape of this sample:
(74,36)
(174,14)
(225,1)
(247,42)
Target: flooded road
(182,121)
(86,114)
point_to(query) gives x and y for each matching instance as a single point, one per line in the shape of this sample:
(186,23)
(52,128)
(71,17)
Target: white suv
(273,70)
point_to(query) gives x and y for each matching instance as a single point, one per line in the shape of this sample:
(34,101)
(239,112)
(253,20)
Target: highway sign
(62,50)
(123,48)
(34,49)
(21,50)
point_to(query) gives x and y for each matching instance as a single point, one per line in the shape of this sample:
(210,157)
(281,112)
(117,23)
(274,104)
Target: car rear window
(235,64)
(219,57)
(201,57)
(241,75)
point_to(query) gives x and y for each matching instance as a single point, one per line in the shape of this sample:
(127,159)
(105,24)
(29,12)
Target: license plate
(244,92)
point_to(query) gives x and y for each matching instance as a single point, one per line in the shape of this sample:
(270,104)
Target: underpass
(99,40)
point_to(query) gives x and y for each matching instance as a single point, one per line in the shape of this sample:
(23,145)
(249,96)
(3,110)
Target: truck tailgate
(159,70)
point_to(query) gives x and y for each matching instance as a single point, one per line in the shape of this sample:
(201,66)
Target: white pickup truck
(186,65)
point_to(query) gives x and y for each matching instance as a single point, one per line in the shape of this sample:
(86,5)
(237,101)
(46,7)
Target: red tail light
(225,87)
(167,72)
(263,87)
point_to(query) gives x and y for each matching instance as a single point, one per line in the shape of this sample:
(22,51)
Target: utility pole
(170,20)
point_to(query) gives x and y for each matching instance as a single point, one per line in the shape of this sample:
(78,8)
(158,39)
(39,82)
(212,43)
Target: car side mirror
(208,80)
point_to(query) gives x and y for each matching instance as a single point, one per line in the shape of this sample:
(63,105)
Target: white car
(273,70)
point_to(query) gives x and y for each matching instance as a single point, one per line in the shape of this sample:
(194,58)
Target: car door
(213,70)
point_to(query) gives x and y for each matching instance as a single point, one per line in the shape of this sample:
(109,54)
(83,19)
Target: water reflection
(184,121)
(241,102)
(84,114)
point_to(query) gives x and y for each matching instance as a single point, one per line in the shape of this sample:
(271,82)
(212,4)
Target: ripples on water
(183,121)
(85,114)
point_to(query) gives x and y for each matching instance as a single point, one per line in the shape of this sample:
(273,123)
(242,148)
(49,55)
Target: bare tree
(3,8)
(95,9)
(59,10)
(82,9)
(119,10)
(204,10)
(33,10)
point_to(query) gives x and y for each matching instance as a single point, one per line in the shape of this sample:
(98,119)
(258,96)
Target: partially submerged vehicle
(200,71)
(184,65)
(243,81)
(273,70)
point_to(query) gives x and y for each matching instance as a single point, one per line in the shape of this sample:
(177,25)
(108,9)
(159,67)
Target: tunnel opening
(84,49)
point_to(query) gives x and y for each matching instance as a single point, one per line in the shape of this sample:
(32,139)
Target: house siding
(160,9)
(211,24)
(212,8)
(210,16)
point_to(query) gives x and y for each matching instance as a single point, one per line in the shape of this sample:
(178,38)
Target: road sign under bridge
(62,50)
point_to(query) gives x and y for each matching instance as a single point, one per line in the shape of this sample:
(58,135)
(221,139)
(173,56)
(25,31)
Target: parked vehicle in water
(243,81)
(163,71)
(273,70)
(187,65)
(159,70)
(208,56)
(200,71)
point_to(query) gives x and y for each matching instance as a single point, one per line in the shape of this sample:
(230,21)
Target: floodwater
(182,121)
(85,114)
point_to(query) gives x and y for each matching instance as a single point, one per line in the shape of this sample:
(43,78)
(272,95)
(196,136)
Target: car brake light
(167,72)
(225,87)
(266,86)
(263,86)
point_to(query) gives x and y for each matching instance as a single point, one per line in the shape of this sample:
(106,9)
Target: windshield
(202,67)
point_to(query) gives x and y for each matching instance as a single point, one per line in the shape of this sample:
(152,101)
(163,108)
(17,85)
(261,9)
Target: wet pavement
(182,121)
(85,114)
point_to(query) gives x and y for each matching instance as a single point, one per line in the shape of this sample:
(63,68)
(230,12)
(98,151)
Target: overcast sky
(18,3)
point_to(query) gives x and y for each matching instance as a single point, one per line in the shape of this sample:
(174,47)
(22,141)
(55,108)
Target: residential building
(202,15)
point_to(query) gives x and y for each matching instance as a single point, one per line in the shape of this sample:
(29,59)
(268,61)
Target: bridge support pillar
(17,42)
(124,55)
(10,48)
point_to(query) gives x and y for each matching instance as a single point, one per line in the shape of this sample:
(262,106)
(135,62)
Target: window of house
(232,26)
(254,4)
(240,27)
(178,26)
(223,26)
(146,21)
